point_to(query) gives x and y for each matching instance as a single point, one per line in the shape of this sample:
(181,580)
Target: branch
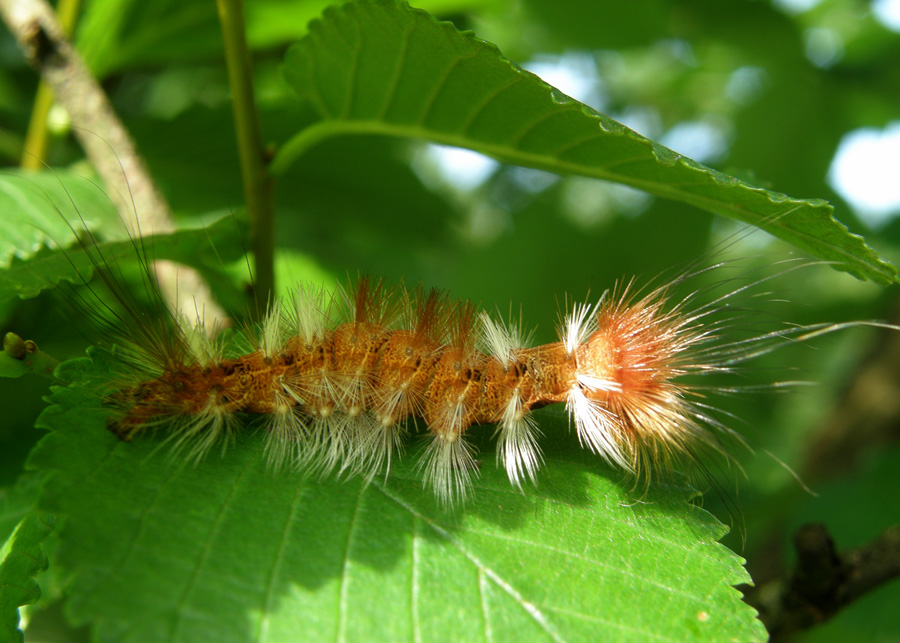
(97,127)
(824,582)
(36,138)
(105,141)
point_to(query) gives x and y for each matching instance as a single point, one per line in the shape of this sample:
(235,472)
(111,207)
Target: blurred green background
(767,91)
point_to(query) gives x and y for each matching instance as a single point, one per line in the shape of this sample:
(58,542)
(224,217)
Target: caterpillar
(341,380)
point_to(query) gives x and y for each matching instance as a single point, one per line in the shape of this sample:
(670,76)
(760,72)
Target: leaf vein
(414,581)
(598,563)
(483,601)
(141,521)
(269,598)
(313,65)
(398,72)
(205,550)
(352,79)
(342,601)
(533,611)
(487,100)
(608,623)
(517,139)
(428,105)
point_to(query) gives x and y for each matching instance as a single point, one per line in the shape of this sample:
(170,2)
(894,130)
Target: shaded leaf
(39,208)
(16,501)
(21,558)
(202,248)
(378,67)
(10,367)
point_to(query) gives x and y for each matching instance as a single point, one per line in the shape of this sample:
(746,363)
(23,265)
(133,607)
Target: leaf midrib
(532,610)
(318,132)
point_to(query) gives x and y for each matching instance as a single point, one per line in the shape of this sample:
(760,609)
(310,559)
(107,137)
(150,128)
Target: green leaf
(229,551)
(10,367)
(201,248)
(377,67)
(40,208)
(21,558)
(115,35)
(21,555)
(16,501)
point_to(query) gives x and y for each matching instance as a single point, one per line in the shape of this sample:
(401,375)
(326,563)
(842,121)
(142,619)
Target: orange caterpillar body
(337,380)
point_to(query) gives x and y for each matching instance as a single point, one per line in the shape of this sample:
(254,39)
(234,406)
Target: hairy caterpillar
(339,381)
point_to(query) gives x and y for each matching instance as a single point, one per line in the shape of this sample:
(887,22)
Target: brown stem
(824,581)
(37,137)
(103,137)
(97,127)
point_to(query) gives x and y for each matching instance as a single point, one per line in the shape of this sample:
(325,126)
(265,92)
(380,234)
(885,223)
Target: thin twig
(35,154)
(254,164)
(97,127)
(824,581)
(105,141)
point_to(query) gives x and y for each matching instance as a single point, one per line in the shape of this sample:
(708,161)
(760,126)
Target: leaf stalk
(254,167)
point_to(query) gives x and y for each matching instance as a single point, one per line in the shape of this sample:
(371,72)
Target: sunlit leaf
(231,551)
(378,67)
